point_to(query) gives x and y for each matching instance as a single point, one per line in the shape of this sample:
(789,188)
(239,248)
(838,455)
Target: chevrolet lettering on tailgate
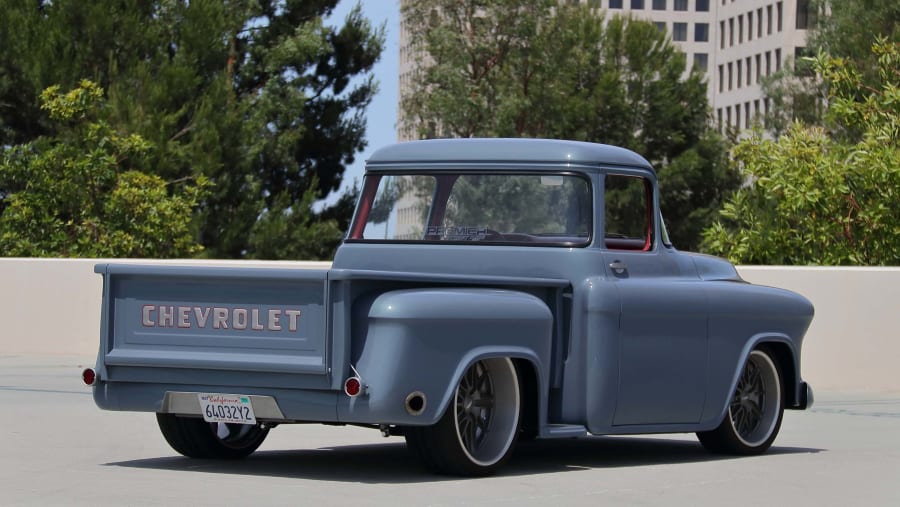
(206,317)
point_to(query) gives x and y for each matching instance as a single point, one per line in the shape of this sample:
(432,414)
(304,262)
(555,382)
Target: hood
(715,268)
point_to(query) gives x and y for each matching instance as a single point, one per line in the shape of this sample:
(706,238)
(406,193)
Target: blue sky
(382,113)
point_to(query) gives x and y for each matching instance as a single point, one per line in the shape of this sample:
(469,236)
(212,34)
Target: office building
(735,42)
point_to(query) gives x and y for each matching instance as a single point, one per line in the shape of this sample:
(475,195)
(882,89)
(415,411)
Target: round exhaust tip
(89,376)
(352,387)
(415,403)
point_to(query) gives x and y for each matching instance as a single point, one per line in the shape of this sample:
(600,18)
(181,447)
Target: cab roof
(508,151)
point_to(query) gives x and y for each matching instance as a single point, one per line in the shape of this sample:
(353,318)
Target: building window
(756,107)
(749,76)
(702,6)
(637,5)
(659,5)
(768,20)
(721,78)
(728,116)
(661,26)
(759,23)
(746,115)
(701,32)
(679,32)
(758,60)
(731,32)
(740,28)
(739,73)
(777,60)
(680,5)
(701,61)
(722,34)
(730,81)
(615,4)
(779,10)
(737,116)
(719,118)
(750,25)
(768,63)
(806,15)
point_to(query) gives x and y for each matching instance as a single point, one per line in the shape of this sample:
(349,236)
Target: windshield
(545,209)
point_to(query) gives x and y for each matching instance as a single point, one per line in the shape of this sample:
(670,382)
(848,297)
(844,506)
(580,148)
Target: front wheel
(196,438)
(476,434)
(754,415)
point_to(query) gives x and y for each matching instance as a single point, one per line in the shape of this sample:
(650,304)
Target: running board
(563,431)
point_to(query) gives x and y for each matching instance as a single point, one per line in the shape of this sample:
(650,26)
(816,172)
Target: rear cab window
(529,208)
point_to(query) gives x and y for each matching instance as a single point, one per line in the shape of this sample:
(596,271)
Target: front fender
(424,339)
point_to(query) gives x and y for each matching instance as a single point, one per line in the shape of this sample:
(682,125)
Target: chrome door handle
(618,267)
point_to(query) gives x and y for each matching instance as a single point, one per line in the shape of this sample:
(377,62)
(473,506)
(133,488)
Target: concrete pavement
(59,449)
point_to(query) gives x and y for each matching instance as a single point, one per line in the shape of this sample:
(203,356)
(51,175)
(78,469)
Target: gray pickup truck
(488,291)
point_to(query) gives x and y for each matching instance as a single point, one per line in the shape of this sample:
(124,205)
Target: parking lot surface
(60,449)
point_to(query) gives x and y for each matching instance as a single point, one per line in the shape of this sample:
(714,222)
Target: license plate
(226,408)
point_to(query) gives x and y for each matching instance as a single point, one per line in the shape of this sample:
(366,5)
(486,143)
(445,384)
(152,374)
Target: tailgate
(226,319)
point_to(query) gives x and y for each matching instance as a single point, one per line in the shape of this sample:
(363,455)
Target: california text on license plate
(226,408)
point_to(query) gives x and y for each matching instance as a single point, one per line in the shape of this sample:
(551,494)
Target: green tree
(82,193)
(260,97)
(817,197)
(847,31)
(542,68)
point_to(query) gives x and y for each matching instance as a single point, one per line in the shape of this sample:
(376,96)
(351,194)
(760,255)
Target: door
(662,342)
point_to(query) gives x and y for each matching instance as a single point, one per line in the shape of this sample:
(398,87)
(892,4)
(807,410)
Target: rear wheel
(196,438)
(476,434)
(755,413)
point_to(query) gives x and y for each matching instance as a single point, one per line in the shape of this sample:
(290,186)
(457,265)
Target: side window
(628,212)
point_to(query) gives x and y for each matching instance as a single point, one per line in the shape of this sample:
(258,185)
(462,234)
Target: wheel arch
(782,351)
(783,356)
(530,394)
(528,374)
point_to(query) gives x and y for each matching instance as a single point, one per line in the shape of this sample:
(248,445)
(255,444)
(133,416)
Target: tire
(477,432)
(196,438)
(754,413)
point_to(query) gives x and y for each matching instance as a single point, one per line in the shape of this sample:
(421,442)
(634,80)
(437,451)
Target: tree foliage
(839,28)
(542,68)
(83,193)
(257,96)
(816,196)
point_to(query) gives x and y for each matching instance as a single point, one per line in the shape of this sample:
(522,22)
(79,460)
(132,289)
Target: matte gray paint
(655,348)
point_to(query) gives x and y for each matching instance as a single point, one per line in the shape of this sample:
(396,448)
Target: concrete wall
(854,340)
(52,306)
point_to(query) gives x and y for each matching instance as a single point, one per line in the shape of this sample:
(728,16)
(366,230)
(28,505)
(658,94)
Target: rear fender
(423,340)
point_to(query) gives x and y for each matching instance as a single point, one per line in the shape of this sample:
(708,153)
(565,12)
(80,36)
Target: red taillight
(352,387)
(89,376)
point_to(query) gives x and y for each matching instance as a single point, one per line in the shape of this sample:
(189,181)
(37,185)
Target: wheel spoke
(465,433)
(483,403)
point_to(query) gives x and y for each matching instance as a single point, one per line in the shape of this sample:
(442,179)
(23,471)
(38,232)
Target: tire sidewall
(742,445)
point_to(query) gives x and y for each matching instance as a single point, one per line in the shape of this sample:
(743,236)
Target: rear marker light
(352,387)
(89,376)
